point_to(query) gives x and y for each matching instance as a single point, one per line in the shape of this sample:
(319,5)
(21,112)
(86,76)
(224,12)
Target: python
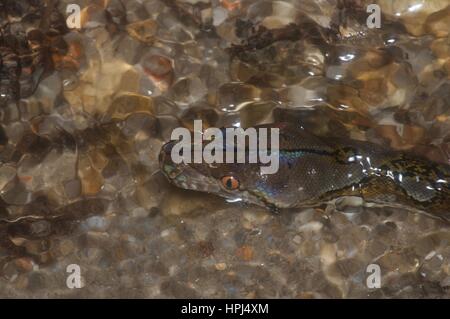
(315,170)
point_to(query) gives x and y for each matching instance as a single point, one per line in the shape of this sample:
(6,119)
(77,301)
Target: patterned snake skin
(313,171)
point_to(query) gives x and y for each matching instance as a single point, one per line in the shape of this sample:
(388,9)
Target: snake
(316,170)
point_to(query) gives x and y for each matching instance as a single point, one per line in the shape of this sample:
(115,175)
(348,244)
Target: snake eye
(230,182)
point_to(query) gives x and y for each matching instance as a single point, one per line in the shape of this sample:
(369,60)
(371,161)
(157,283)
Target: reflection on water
(84,115)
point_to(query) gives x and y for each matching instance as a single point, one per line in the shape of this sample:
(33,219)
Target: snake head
(235,182)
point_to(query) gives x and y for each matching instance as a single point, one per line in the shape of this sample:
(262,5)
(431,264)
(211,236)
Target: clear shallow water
(80,152)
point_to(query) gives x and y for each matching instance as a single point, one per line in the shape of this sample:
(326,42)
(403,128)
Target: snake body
(315,170)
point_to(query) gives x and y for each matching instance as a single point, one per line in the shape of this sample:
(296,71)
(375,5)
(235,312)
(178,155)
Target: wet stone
(188,90)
